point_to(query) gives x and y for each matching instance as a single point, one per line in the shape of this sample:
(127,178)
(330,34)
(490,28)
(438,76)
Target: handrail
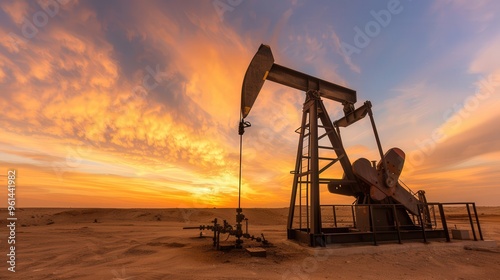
(472,217)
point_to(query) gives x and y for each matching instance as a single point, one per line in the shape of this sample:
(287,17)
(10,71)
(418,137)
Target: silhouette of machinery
(384,208)
(391,208)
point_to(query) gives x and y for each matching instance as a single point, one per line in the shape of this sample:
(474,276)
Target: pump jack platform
(384,208)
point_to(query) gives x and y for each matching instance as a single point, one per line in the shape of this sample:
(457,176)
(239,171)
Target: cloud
(478,140)
(479,12)
(461,161)
(132,97)
(487,59)
(347,59)
(76,90)
(17,10)
(318,45)
(104,99)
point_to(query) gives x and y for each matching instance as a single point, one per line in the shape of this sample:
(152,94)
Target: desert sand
(151,244)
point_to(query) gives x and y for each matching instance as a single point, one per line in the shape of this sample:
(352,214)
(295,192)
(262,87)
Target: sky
(136,103)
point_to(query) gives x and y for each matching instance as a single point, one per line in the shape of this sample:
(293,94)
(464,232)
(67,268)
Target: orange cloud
(143,112)
(75,92)
(17,10)
(465,156)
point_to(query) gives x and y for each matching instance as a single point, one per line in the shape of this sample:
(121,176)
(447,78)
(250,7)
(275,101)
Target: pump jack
(369,184)
(384,208)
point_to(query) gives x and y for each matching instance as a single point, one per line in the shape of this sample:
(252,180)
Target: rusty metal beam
(304,82)
(354,116)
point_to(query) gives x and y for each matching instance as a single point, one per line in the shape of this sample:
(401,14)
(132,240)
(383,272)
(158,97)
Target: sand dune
(150,244)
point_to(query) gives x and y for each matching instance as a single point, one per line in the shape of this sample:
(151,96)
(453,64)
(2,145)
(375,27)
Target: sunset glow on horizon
(136,103)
